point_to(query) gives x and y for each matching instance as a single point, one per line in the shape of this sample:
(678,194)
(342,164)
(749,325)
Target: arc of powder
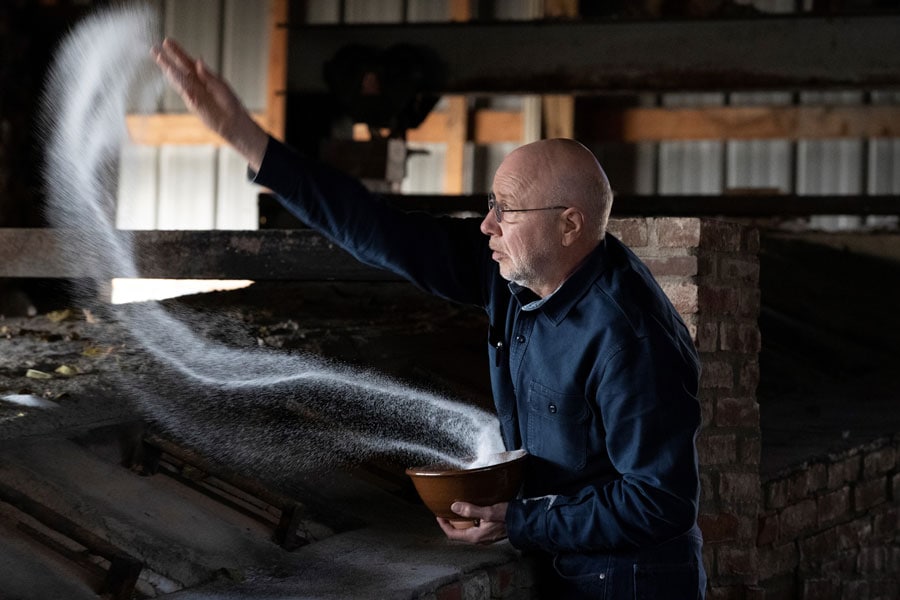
(254,407)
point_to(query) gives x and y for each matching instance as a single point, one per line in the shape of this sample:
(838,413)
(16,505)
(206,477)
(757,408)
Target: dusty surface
(72,358)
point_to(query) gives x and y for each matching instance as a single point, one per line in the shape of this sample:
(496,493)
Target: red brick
(708,487)
(751,240)
(821,589)
(833,505)
(749,302)
(716,374)
(854,590)
(870,560)
(850,535)
(718,300)
(819,547)
(842,472)
(749,449)
(725,592)
(776,495)
(797,518)
(879,462)
(502,579)
(708,336)
(869,493)
(706,412)
(682,295)
(451,591)
(738,487)
(893,560)
(632,232)
(752,592)
(767,530)
(779,560)
(748,375)
(718,528)
(733,560)
(720,235)
(678,232)
(672,266)
(885,524)
(717,449)
(739,337)
(741,269)
(804,482)
(708,265)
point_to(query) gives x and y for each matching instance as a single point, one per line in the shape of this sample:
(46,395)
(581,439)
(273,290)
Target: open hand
(212,100)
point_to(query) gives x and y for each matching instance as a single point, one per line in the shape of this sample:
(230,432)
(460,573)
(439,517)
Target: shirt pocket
(557,427)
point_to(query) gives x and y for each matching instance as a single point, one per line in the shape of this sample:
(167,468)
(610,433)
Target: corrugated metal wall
(205,187)
(200,187)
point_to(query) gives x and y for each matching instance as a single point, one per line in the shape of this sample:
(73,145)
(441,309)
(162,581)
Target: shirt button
(602,576)
(552,408)
(520,338)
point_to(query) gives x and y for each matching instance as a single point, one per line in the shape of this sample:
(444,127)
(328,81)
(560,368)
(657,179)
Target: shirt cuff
(526,522)
(279,169)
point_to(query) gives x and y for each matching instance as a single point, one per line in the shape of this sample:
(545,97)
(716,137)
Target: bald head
(564,173)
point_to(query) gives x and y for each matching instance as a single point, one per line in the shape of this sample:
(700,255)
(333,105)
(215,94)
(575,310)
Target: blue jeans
(673,569)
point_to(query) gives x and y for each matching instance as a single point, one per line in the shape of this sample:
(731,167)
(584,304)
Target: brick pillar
(710,271)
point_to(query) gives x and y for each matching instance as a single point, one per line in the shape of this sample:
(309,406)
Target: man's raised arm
(212,100)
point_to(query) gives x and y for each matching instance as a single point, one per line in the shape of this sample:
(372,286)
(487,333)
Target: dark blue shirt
(598,382)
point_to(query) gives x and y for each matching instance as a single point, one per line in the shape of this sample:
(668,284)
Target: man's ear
(572,226)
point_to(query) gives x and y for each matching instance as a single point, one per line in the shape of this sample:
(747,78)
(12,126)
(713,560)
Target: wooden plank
(497,126)
(559,116)
(457,132)
(276,98)
(176,129)
(738,123)
(488,127)
(788,52)
(296,254)
(460,10)
(303,255)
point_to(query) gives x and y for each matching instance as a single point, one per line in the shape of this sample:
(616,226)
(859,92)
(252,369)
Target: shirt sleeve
(441,255)
(651,414)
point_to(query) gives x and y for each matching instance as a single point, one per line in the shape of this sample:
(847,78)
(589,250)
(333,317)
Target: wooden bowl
(439,486)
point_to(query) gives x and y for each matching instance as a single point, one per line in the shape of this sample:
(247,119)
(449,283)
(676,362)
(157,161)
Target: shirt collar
(558,303)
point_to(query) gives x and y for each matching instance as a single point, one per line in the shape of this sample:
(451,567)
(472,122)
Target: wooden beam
(488,127)
(787,52)
(460,10)
(296,254)
(559,116)
(184,129)
(303,255)
(276,82)
(737,123)
(457,132)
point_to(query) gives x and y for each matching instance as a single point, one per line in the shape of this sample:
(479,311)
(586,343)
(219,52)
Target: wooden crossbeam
(775,52)
(737,123)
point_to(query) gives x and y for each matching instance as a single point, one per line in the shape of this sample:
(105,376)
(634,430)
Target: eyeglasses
(498,210)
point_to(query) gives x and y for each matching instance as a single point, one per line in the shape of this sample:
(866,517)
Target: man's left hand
(490,523)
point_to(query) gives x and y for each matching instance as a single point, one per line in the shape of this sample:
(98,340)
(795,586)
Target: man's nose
(489,225)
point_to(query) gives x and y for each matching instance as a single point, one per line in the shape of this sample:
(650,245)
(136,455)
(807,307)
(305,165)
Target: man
(593,372)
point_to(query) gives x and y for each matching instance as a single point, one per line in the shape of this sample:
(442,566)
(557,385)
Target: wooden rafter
(739,123)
